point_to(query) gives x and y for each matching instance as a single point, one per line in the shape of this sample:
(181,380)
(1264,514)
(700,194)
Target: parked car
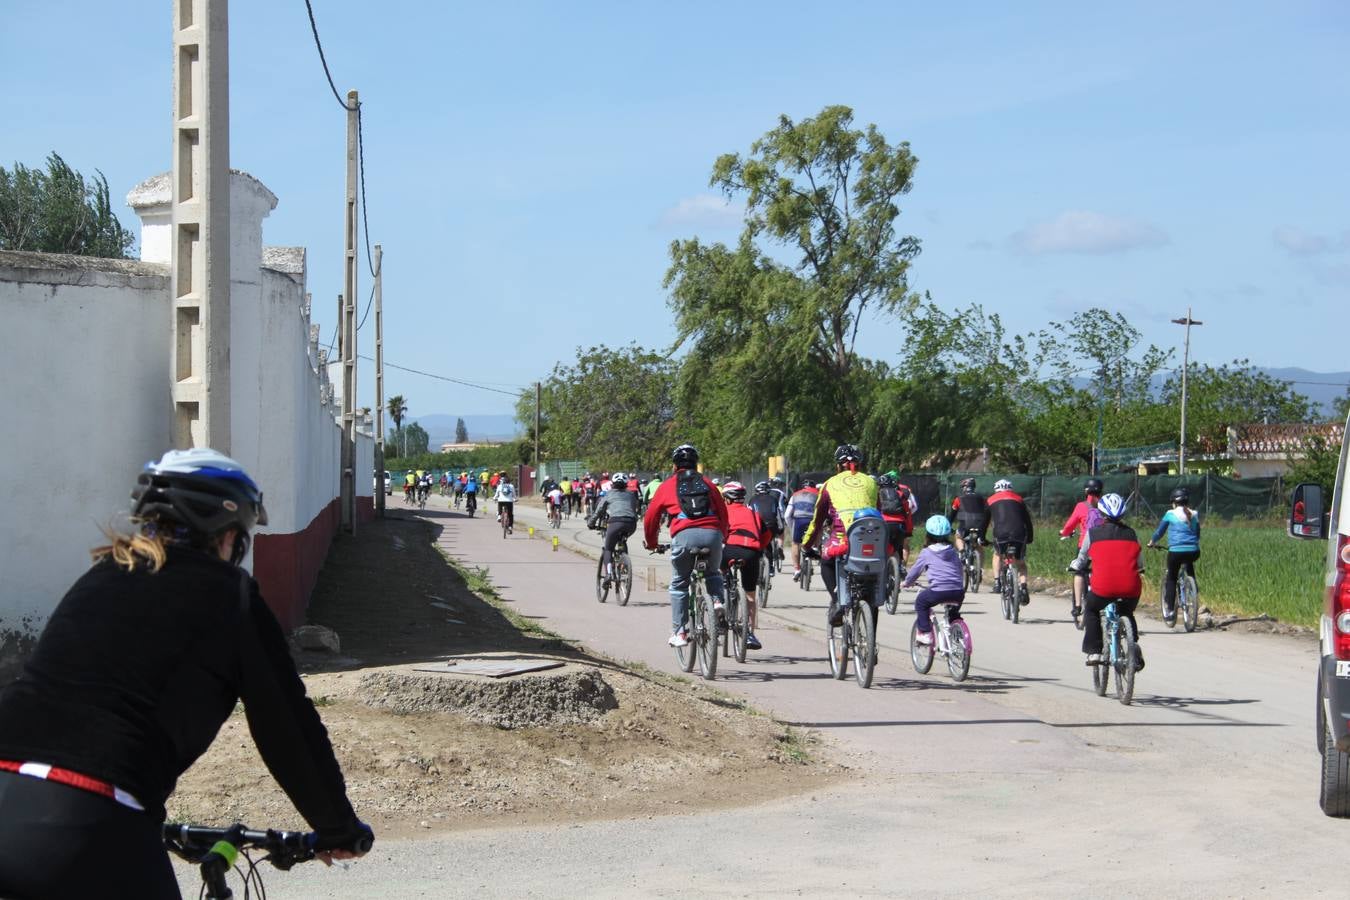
(388,484)
(1310,519)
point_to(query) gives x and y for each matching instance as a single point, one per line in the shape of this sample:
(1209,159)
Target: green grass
(1244,569)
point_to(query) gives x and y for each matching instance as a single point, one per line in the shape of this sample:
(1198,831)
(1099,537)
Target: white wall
(85,364)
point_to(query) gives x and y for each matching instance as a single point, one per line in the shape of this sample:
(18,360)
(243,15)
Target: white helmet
(1002,484)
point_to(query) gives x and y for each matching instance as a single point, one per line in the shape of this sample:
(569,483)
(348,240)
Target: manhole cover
(495,668)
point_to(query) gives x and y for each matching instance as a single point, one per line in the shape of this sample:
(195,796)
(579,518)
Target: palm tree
(398,408)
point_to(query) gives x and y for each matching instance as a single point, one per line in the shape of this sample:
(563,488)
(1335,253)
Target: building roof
(1251,440)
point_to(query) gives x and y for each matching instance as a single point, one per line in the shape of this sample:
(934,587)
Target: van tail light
(1338,600)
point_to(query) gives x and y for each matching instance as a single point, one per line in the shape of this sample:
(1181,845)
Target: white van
(1311,519)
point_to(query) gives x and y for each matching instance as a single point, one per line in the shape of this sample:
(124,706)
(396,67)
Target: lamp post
(1185,370)
(1101,413)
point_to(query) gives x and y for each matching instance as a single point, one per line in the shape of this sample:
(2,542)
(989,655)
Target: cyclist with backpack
(765,502)
(698,524)
(970,514)
(1182,526)
(841,497)
(747,540)
(1115,563)
(1083,518)
(897,506)
(1013,531)
(801,507)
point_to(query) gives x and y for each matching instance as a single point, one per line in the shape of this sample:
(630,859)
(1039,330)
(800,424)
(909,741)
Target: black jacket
(136,672)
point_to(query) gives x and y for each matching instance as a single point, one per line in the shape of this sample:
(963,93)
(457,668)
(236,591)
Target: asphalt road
(1018,782)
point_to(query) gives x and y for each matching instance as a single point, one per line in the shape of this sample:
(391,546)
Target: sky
(529,165)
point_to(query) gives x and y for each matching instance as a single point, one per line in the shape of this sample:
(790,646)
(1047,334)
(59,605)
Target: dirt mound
(529,701)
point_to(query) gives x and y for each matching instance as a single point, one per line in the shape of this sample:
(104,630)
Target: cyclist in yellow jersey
(840,499)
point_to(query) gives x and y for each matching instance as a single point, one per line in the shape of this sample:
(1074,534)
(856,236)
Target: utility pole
(1185,371)
(379,383)
(200,234)
(348,502)
(1101,411)
(538,392)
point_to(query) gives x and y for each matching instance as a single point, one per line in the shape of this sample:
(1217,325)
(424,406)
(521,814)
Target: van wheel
(1335,796)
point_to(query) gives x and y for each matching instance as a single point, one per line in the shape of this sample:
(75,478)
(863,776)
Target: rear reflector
(1338,600)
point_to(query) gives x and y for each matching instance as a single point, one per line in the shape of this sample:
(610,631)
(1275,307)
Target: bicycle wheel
(958,660)
(739,626)
(623,571)
(1101,673)
(806,574)
(506,524)
(707,640)
(1011,593)
(1006,600)
(892,584)
(601,583)
(967,568)
(1124,662)
(765,578)
(864,643)
(977,573)
(1190,600)
(836,646)
(732,601)
(920,654)
(687,654)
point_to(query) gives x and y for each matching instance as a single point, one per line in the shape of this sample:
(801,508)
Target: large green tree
(57,210)
(611,406)
(777,316)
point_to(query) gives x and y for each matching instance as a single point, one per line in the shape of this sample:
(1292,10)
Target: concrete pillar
(200,214)
(348,326)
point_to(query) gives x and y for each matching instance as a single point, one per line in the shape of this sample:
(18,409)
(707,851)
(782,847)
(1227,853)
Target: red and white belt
(74,779)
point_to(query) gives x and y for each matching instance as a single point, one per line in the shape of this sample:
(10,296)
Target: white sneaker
(924,637)
(679,639)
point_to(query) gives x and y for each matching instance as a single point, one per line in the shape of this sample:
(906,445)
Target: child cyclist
(943,565)
(1182,525)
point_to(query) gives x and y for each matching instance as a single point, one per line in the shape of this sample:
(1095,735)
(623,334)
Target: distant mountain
(1322,388)
(441,428)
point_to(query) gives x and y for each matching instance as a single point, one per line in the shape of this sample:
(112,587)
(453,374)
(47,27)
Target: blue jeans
(683,554)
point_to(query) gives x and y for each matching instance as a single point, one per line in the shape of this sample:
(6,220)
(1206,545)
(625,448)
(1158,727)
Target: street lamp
(1185,368)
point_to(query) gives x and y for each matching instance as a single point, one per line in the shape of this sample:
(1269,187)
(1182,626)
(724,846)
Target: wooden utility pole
(379,382)
(348,501)
(538,392)
(200,235)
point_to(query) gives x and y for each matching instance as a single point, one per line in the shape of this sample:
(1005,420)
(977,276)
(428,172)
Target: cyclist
(621,506)
(554,499)
(445,483)
(409,486)
(698,523)
(945,582)
(970,513)
(1182,525)
(801,507)
(1013,531)
(840,499)
(457,487)
(1116,562)
(897,506)
(766,503)
(471,494)
(566,486)
(505,495)
(138,667)
(747,540)
(548,486)
(1083,518)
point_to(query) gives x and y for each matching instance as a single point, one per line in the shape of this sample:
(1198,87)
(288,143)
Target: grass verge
(1244,569)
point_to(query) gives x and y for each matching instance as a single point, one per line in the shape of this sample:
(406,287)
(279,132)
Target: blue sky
(528,168)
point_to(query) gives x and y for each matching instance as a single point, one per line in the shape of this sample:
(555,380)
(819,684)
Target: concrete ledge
(64,268)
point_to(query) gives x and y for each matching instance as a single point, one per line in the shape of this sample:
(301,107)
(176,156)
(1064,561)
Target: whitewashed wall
(85,358)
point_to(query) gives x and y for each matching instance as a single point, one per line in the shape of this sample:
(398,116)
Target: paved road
(1019,782)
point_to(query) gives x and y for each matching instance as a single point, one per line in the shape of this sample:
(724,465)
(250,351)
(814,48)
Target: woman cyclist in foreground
(136,670)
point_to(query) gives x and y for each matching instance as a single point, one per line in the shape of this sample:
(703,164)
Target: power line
(313,26)
(367,312)
(481,387)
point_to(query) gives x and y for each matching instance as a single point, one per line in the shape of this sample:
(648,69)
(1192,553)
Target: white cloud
(1082,231)
(1302,243)
(703,211)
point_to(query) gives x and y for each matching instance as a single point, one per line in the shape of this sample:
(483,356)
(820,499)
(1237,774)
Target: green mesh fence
(1054,496)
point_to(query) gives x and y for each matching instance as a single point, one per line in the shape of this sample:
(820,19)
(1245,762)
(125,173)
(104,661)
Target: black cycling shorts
(749,564)
(1015,549)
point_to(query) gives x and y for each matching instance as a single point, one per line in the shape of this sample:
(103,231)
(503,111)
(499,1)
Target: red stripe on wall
(287,565)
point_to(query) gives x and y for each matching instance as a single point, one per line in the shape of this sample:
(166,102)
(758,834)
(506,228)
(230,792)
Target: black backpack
(888,500)
(692,492)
